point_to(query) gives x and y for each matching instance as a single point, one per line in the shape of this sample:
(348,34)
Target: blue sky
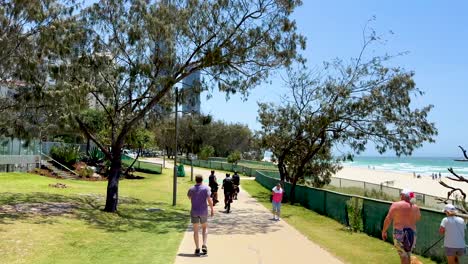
(435,34)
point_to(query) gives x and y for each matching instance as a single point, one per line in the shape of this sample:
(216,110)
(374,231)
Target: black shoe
(204,250)
(197,252)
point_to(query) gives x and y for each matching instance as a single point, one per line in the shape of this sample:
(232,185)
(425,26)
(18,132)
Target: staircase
(62,172)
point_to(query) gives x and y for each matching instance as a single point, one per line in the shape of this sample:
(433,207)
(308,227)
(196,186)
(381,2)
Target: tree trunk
(293,189)
(88,144)
(112,198)
(134,161)
(282,169)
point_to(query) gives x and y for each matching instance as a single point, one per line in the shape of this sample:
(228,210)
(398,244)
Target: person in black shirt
(213,183)
(236,182)
(228,188)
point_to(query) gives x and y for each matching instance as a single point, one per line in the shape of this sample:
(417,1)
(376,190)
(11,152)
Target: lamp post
(174,190)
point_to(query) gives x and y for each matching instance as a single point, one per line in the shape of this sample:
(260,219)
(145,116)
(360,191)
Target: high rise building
(191,93)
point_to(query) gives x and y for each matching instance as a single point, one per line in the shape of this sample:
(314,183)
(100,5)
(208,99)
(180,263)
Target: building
(191,93)
(17,154)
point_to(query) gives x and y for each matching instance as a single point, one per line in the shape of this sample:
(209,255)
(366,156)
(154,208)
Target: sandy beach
(424,184)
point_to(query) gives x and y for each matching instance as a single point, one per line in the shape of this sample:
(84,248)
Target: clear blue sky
(434,32)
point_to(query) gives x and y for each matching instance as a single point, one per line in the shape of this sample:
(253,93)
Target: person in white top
(453,228)
(277,196)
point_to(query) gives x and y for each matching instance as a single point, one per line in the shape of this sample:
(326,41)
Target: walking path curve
(247,235)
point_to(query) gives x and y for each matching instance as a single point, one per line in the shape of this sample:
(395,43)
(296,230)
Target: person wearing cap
(453,228)
(404,214)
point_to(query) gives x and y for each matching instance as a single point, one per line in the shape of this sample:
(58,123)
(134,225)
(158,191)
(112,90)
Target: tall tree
(128,55)
(343,104)
(22,23)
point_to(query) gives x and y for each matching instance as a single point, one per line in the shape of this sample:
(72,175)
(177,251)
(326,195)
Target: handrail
(59,163)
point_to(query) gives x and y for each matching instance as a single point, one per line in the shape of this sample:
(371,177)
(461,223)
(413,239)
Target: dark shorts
(399,243)
(199,219)
(451,252)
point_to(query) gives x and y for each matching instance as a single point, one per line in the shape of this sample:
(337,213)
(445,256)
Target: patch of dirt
(58,185)
(46,209)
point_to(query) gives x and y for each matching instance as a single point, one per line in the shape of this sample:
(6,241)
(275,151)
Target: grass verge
(353,248)
(86,234)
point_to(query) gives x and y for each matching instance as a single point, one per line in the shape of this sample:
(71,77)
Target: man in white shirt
(453,227)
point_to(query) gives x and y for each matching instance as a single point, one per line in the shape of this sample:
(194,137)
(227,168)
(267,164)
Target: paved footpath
(247,235)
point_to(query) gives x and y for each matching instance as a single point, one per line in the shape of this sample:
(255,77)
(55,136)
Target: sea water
(424,166)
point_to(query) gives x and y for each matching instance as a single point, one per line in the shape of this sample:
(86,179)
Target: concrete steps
(60,173)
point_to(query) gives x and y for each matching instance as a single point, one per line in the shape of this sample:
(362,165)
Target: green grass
(354,248)
(141,166)
(89,235)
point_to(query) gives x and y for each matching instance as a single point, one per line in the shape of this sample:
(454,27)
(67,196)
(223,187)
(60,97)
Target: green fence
(218,165)
(333,205)
(142,166)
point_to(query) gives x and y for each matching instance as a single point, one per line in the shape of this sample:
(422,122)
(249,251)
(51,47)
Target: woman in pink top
(277,196)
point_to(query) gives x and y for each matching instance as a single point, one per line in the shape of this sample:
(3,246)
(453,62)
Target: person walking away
(200,198)
(404,215)
(228,188)
(453,229)
(236,182)
(277,196)
(213,183)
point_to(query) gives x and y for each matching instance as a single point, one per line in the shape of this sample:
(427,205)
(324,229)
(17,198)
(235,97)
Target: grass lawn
(142,166)
(354,248)
(87,234)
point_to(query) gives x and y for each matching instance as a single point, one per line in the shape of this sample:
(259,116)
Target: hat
(408,193)
(449,208)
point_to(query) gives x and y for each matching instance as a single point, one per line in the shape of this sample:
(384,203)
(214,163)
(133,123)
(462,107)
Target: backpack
(227,184)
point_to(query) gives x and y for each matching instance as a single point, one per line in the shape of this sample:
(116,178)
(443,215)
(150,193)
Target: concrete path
(248,236)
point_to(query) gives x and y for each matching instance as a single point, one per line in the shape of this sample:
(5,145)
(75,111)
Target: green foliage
(353,104)
(68,155)
(85,172)
(206,152)
(131,70)
(95,156)
(354,208)
(234,157)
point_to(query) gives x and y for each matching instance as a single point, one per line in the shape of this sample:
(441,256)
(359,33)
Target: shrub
(206,152)
(95,156)
(66,154)
(234,157)
(354,207)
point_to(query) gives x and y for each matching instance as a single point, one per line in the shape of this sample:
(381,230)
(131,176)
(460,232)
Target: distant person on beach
(200,197)
(277,197)
(213,183)
(404,215)
(453,229)
(440,176)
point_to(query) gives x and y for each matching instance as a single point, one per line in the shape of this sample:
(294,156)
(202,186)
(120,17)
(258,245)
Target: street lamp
(174,188)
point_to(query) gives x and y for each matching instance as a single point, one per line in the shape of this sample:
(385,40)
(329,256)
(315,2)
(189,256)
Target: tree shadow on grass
(43,208)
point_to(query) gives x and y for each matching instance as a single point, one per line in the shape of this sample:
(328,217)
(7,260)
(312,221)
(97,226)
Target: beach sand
(425,184)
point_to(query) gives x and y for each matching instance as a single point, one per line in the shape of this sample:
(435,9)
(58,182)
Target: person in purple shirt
(200,196)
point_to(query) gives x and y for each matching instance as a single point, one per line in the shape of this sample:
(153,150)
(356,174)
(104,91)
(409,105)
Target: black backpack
(227,184)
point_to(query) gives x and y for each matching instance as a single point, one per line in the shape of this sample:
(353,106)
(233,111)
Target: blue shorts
(276,206)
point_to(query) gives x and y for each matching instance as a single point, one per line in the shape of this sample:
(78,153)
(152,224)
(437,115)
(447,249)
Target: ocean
(424,166)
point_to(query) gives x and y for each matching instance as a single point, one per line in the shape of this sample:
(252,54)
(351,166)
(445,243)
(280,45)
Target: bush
(85,172)
(234,157)
(206,152)
(354,208)
(95,156)
(66,154)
